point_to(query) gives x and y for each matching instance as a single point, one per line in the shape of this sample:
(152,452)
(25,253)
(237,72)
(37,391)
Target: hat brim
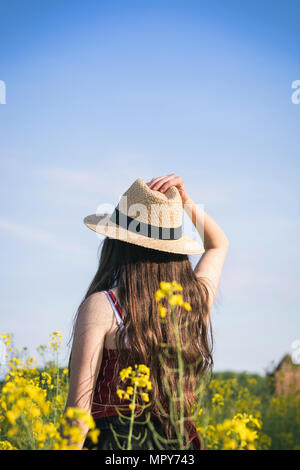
(104,226)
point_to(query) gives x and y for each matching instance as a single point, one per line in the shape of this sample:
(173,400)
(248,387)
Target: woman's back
(105,399)
(106,403)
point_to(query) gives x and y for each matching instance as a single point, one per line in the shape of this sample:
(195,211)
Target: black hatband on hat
(147,230)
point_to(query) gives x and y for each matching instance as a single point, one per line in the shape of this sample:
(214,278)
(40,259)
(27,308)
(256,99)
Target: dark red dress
(105,399)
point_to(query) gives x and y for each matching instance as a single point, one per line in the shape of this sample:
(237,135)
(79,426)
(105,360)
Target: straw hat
(148,218)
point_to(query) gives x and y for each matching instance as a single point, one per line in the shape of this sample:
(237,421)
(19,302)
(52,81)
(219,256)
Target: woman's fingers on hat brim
(172,181)
(154,181)
(166,182)
(157,183)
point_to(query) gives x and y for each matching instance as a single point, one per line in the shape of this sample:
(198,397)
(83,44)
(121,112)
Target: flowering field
(32,401)
(231,411)
(238,411)
(242,411)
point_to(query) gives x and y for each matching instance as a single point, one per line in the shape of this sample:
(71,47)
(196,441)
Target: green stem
(57,377)
(131,420)
(29,433)
(180,385)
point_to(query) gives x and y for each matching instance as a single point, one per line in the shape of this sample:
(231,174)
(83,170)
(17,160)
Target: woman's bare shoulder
(95,308)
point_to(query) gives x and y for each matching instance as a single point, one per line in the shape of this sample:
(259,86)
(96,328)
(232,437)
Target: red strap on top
(112,296)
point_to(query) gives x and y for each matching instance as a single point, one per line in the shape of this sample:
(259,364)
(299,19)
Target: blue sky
(101,93)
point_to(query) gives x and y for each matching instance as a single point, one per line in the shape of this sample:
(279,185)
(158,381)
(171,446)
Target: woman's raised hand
(162,183)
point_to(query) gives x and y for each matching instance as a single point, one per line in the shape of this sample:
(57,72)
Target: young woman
(118,324)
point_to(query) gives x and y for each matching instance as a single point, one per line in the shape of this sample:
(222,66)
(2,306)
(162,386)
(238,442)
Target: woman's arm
(91,327)
(215,244)
(214,239)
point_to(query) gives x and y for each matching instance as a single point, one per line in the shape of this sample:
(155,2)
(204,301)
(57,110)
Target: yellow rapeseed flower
(56,340)
(176,286)
(70,413)
(187,306)
(217,399)
(143,369)
(6,339)
(149,385)
(120,393)
(165,286)
(145,396)
(139,379)
(12,416)
(159,294)
(94,435)
(6,445)
(125,373)
(162,311)
(176,299)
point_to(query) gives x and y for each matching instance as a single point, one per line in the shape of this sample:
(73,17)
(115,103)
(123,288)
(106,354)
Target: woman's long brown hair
(138,271)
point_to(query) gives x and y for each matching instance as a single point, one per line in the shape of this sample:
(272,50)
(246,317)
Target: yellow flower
(169,287)
(12,416)
(125,373)
(144,369)
(162,311)
(6,445)
(45,407)
(76,414)
(140,381)
(145,396)
(217,399)
(6,339)
(165,286)
(56,340)
(252,381)
(159,294)
(187,306)
(94,435)
(70,413)
(176,286)
(120,393)
(176,299)
(34,412)
(13,431)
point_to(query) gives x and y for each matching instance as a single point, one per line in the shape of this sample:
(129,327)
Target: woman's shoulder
(95,299)
(96,308)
